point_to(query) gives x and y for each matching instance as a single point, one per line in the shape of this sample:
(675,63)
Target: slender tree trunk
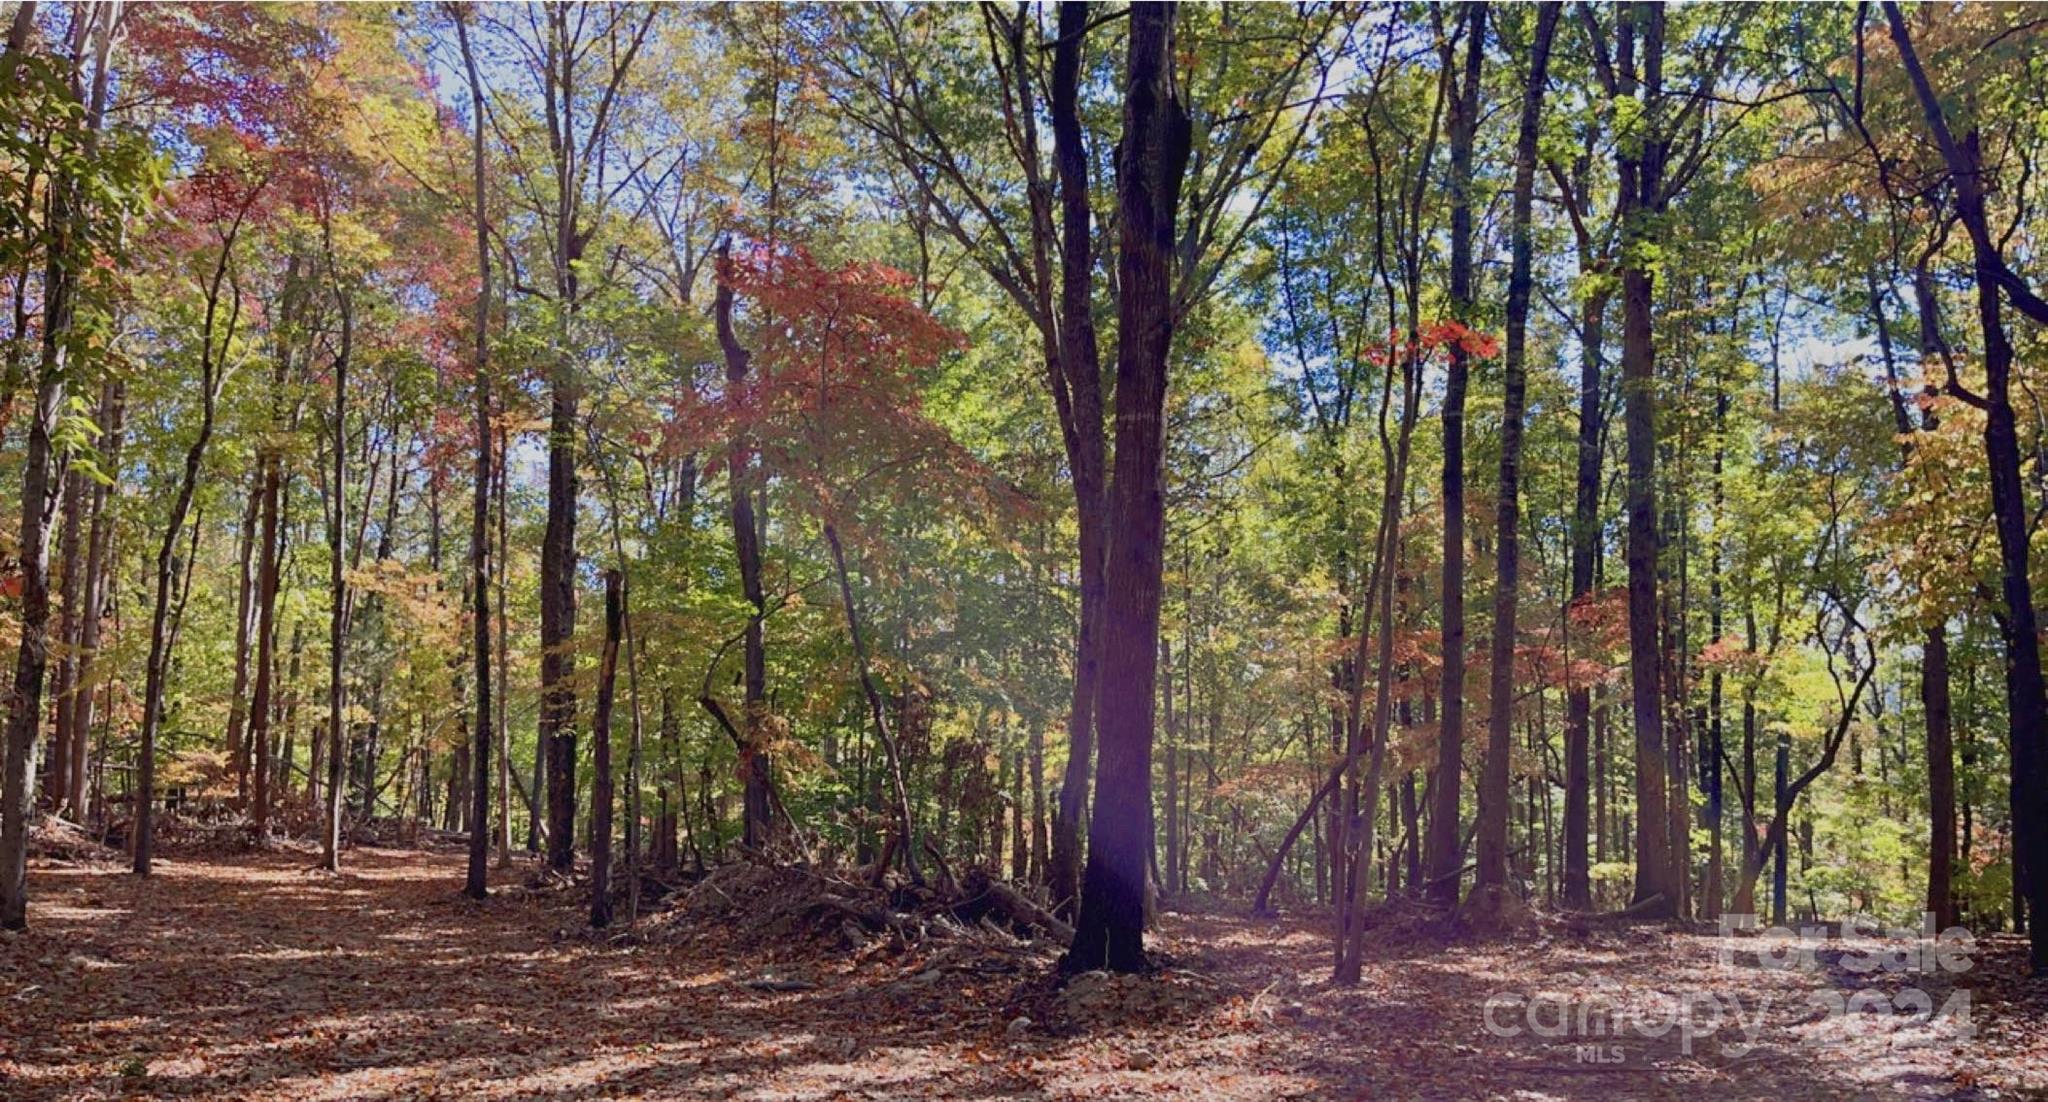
(337,616)
(1152,161)
(1493,788)
(1446,850)
(99,554)
(601,795)
(899,797)
(245,592)
(477,884)
(215,334)
(757,822)
(57,776)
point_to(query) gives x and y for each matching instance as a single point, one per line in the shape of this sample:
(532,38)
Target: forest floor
(249,977)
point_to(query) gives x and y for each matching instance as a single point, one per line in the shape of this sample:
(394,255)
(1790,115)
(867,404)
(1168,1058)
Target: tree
(1446,852)
(1996,284)
(477,885)
(1493,786)
(1152,160)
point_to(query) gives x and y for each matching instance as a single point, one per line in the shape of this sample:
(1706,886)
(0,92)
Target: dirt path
(252,978)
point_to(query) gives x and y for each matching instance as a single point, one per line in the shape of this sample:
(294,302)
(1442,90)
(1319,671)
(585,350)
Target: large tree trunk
(1080,369)
(1493,786)
(270,556)
(1585,539)
(1640,168)
(40,475)
(1152,161)
(1446,848)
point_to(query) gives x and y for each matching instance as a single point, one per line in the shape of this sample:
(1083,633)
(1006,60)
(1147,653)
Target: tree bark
(1080,370)
(1152,160)
(1446,851)
(601,795)
(1493,787)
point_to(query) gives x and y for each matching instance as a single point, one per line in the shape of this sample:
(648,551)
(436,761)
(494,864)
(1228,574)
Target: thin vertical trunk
(757,822)
(216,333)
(601,795)
(99,554)
(1446,849)
(476,885)
(503,733)
(337,596)
(1493,787)
(899,797)
(57,775)
(1152,161)
(245,594)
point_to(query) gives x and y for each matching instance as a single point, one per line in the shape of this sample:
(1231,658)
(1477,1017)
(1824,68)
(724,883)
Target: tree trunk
(1080,376)
(1493,787)
(337,614)
(245,594)
(899,797)
(757,822)
(57,776)
(601,796)
(1446,851)
(1640,168)
(477,883)
(1152,160)
(98,556)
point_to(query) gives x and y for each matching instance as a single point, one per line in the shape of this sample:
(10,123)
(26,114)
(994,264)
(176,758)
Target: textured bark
(262,699)
(1585,539)
(40,474)
(1446,848)
(1493,786)
(1640,169)
(601,794)
(1080,371)
(1152,161)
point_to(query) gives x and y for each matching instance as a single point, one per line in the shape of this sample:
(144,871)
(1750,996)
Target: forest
(1023,550)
